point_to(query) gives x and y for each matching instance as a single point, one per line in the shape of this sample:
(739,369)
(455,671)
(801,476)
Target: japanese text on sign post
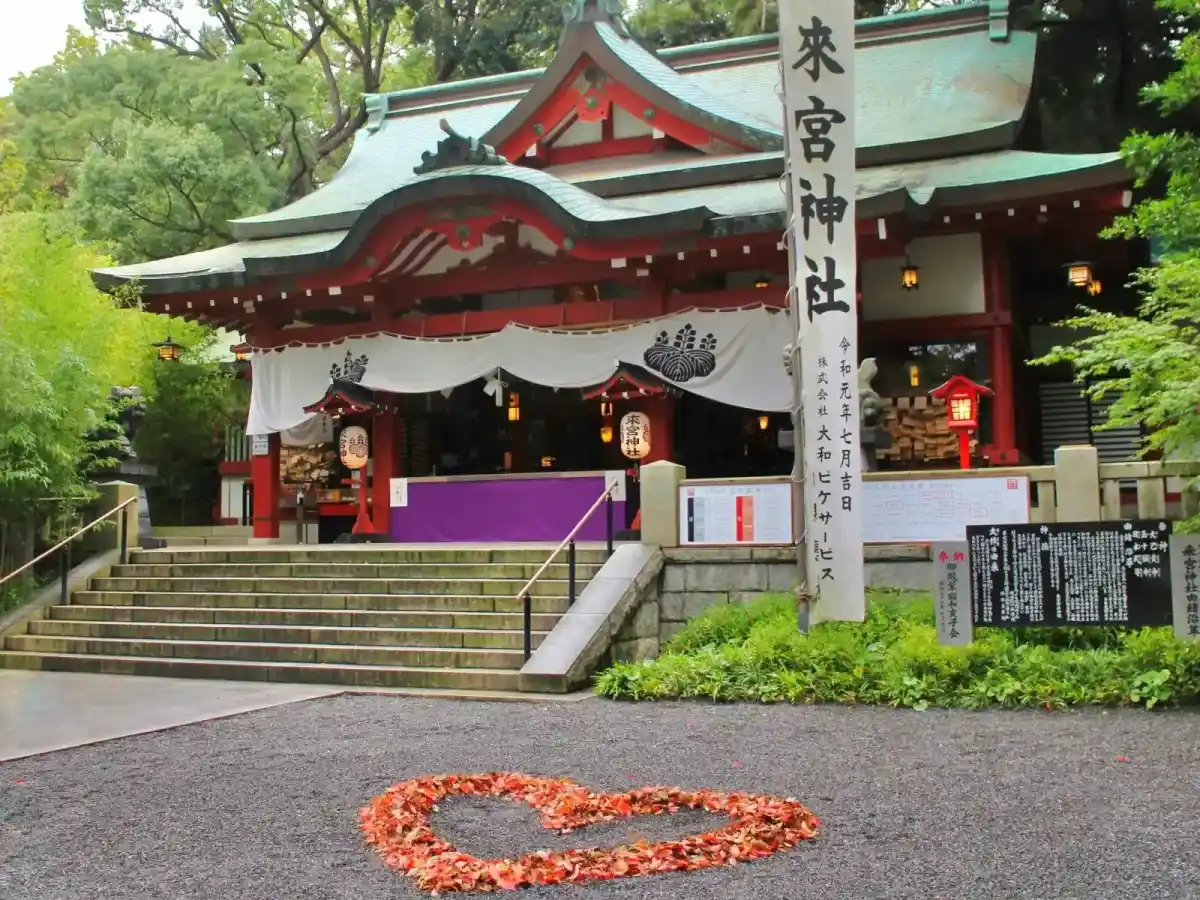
(817,61)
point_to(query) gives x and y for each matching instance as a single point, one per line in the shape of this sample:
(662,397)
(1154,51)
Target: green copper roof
(923,97)
(556,197)
(916,189)
(623,59)
(940,97)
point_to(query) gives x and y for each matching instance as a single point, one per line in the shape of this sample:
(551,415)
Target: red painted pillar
(383,467)
(1003,449)
(264,474)
(661,411)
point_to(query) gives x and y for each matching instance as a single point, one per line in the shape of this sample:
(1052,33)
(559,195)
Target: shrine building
(505,266)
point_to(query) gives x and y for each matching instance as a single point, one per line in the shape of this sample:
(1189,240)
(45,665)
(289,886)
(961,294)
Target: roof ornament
(610,12)
(457,150)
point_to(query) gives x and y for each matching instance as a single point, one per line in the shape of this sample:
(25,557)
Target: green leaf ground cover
(755,652)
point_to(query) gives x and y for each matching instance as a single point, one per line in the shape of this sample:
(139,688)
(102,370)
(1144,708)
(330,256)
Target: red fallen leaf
(19,781)
(397,824)
(1122,759)
(737,765)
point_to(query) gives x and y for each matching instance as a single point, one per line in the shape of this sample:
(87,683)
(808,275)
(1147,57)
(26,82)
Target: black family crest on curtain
(680,359)
(352,370)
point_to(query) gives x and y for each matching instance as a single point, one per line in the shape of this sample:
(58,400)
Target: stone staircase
(364,616)
(205,536)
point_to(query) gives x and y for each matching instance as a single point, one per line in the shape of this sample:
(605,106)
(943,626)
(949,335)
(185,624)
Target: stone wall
(696,578)
(693,579)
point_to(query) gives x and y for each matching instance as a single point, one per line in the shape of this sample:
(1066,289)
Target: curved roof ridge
(623,58)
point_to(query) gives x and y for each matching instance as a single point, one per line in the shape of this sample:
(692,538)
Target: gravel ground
(932,805)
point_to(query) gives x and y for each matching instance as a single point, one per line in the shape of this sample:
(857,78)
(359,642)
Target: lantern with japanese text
(962,405)
(354,449)
(635,435)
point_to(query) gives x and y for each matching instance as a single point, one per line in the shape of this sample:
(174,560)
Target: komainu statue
(873,436)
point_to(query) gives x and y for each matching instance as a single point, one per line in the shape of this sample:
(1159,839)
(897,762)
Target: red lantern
(962,405)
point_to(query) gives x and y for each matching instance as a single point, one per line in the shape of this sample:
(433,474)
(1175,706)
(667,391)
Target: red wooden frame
(559,315)
(570,99)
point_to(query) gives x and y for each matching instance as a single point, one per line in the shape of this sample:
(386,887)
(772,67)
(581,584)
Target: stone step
(465,638)
(447,602)
(363,553)
(505,587)
(370,571)
(311,618)
(176,531)
(259,651)
(305,673)
(211,541)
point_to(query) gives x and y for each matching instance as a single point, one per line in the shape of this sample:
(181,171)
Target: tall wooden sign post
(817,59)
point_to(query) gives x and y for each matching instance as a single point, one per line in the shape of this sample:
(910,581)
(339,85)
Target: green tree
(12,167)
(63,346)
(1151,360)
(471,38)
(196,116)
(183,431)
(153,151)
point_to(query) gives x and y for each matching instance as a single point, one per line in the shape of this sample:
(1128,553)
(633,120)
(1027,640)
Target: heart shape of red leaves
(396,823)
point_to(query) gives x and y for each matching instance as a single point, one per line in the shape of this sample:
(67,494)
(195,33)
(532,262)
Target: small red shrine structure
(961,396)
(546,232)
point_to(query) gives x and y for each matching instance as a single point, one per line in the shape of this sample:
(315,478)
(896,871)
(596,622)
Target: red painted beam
(681,130)
(559,315)
(934,328)
(549,115)
(604,149)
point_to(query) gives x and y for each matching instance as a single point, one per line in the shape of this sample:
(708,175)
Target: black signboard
(1090,573)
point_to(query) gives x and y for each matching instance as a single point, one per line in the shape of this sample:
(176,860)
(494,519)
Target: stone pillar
(264,473)
(1077,484)
(112,495)
(384,469)
(660,502)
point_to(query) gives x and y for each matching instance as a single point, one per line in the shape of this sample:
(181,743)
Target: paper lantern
(1079,273)
(354,447)
(168,350)
(635,435)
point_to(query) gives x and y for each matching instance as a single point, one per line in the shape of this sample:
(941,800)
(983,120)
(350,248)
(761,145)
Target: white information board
(398,491)
(745,513)
(940,509)
(916,511)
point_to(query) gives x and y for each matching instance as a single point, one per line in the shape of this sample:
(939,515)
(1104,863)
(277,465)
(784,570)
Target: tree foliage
(1152,360)
(187,118)
(63,346)
(183,431)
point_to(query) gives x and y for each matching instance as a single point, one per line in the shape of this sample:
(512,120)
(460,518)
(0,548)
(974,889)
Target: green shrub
(755,652)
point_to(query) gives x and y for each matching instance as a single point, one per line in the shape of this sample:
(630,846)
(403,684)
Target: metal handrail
(124,546)
(567,542)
